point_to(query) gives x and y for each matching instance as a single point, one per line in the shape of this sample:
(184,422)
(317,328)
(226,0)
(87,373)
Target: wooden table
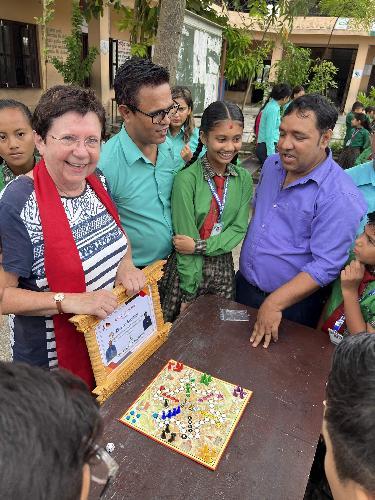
(273,446)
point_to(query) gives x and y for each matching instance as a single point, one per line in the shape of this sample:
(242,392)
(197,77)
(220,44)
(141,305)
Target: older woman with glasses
(63,246)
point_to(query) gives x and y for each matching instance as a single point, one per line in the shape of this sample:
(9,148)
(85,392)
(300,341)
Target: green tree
(294,67)
(75,69)
(323,78)
(361,12)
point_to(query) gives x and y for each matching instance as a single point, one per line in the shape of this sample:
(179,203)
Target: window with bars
(19,67)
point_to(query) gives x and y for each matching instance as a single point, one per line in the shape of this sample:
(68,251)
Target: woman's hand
(184,244)
(100,303)
(186,153)
(132,278)
(352,276)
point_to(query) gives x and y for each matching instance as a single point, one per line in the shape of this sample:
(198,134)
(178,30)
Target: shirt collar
(318,174)
(181,132)
(209,173)
(366,175)
(131,150)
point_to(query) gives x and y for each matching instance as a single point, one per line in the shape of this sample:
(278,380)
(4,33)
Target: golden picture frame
(125,351)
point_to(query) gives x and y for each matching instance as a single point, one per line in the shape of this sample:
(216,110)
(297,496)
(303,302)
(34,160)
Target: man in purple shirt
(306,214)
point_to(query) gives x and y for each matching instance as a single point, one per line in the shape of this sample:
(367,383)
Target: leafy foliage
(295,65)
(323,72)
(142,21)
(94,8)
(360,11)
(75,69)
(243,60)
(367,100)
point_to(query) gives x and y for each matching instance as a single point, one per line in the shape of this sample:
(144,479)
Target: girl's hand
(352,276)
(186,153)
(184,244)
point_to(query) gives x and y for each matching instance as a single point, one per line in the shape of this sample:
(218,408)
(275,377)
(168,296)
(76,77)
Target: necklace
(69,195)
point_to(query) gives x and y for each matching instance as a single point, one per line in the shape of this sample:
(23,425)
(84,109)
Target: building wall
(99,32)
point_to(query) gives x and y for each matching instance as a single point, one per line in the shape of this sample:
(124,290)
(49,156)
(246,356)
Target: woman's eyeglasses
(158,116)
(72,140)
(103,468)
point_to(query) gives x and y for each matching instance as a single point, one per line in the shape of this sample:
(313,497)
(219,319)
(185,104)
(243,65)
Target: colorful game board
(189,411)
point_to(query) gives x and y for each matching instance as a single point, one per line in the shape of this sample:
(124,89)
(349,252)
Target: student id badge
(335,336)
(218,227)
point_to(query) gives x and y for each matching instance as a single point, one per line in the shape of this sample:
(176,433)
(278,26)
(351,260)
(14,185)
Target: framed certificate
(121,343)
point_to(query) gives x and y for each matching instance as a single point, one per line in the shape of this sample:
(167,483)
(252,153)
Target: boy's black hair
(357,105)
(280,91)
(48,424)
(134,74)
(214,113)
(350,411)
(325,113)
(371,218)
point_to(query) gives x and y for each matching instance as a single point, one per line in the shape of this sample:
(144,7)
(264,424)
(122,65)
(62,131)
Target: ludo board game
(189,411)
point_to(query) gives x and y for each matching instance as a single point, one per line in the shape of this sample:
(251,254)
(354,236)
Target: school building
(351,50)
(23,71)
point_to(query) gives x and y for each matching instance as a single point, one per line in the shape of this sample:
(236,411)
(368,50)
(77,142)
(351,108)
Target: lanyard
(339,322)
(220,204)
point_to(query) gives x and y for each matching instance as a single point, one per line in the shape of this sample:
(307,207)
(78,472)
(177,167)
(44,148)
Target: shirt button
(263,225)
(274,206)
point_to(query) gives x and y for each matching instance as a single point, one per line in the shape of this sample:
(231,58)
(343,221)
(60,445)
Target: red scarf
(339,311)
(63,266)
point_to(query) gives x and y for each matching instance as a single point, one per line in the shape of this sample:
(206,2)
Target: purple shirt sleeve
(333,232)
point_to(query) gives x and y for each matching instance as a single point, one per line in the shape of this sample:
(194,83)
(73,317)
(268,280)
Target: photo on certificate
(124,340)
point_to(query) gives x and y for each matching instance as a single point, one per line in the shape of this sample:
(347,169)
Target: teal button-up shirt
(364,178)
(142,193)
(269,126)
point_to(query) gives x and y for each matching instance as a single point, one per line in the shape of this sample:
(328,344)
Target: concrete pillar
(99,33)
(355,83)
(277,55)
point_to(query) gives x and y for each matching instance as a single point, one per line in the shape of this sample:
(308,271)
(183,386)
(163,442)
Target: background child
(16,140)
(356,108)
(182,130)
(351,307)
(210,209)
(359,140)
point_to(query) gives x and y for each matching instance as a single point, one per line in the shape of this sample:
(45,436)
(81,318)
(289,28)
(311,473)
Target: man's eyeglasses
(157,116)
(72,140)
(103,468)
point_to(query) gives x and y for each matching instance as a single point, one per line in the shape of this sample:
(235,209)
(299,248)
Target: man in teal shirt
(268,135)
(138,162)
(364,178)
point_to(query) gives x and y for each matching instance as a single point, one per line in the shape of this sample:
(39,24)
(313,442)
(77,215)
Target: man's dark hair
(280,91)
(350,412)
(297,89)
(48,424)
(62,99)
(370,109)
(326,114)
(357,105)
(134,74)
(13,104)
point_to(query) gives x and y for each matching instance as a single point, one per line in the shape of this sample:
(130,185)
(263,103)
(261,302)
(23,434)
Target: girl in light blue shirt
(182,131)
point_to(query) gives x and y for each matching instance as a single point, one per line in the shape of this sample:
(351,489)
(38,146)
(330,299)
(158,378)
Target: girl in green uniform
(359,140)
(210,210)
(351,307)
